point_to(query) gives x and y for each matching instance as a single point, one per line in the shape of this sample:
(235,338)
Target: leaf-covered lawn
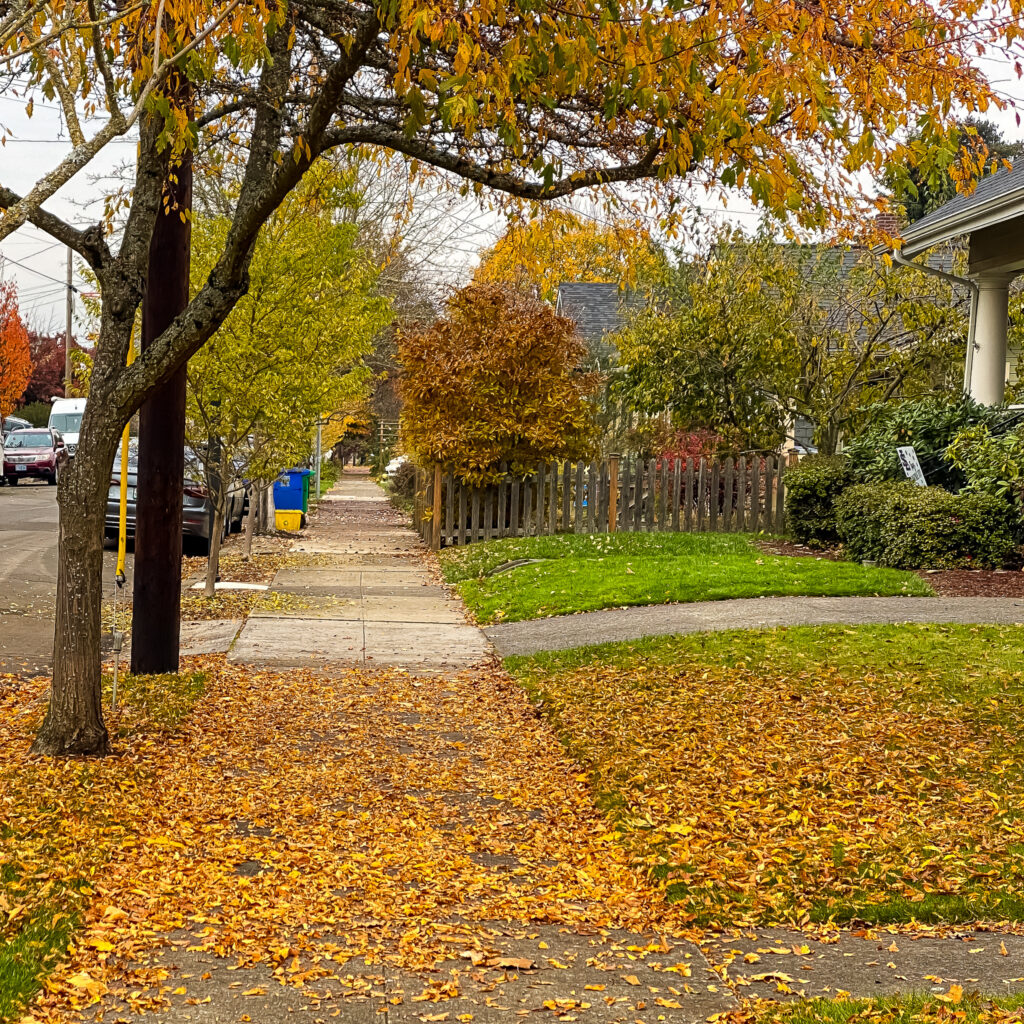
(946,1008)
(874,772)
(587,572)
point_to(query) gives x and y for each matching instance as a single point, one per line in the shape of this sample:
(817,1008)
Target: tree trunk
(74,718)
(213,562)
(250,522)
(215,481)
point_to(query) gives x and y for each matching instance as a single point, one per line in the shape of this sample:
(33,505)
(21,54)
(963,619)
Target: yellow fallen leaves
(758,799)
(319,827)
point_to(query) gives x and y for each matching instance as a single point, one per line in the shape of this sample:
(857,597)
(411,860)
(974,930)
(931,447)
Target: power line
(64,284)
(66,142)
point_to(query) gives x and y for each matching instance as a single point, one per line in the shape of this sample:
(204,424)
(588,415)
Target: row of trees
(15,356)
(292,350)
(754,334)
(32,364)
(732,345)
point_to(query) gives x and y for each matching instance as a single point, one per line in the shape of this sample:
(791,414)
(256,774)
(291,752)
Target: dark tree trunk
(156,612)
(74,718)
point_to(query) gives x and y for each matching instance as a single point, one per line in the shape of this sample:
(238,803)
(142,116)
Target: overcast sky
(34,145)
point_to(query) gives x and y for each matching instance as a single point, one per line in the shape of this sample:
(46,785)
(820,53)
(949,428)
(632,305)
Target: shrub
(403,483)
(495,379)
(908,527)
(37,413)
(812,487)
(992,463)
(930,425)
(861,512)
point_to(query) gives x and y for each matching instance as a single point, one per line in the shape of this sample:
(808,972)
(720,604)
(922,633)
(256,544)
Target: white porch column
(988,372)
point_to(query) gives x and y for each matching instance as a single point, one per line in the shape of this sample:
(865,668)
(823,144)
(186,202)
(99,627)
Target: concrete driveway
(28,576)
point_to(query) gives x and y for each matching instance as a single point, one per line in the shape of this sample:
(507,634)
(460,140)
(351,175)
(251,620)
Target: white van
(66,417)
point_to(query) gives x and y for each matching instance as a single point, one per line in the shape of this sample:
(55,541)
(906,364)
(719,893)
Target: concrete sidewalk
(361,591)
(564,632)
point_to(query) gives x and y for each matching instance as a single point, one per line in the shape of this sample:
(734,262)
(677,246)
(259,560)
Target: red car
(38,452)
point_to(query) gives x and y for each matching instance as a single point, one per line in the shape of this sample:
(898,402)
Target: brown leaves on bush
(495,379)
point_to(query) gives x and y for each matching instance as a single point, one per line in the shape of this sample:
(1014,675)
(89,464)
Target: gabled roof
(596,306)
(997,198)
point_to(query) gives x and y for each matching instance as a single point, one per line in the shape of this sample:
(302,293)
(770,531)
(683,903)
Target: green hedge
(812,487)
(906,527)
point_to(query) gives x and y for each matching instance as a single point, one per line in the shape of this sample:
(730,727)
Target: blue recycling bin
(291,490)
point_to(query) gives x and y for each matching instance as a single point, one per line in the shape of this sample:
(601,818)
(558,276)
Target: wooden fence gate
(613,495)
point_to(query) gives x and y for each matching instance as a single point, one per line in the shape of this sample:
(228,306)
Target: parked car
(14,423)
(66,416)
(37,452)
(196,512)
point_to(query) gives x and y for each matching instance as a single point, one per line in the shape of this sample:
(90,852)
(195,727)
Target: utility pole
(69,309)
(156,612)
(319,453)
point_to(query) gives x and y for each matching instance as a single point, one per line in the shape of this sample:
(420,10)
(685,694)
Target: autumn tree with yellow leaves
(561,246)
(788,103)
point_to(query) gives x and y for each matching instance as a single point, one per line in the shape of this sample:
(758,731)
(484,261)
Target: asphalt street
(28,576)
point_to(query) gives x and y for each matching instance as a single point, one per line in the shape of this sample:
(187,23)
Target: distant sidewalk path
(358,590)
(563,632)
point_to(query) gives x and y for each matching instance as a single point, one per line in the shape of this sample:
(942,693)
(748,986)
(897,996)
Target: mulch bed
(975,582)
(945,582)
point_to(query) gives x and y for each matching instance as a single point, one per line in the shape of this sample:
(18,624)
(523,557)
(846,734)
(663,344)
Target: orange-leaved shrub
(495,379)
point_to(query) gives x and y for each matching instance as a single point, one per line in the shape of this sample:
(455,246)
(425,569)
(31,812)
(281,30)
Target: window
(66,422)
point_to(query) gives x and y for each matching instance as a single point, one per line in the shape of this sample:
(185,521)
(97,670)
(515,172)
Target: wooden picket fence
(613,495)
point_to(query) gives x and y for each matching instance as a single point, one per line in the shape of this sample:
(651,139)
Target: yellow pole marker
(122,538)
(122,532)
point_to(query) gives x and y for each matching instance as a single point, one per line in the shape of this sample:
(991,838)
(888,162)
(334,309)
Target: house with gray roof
(600,310)
(992,219)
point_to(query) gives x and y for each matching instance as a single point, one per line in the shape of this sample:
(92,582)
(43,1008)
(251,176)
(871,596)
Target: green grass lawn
(587,572)
(871,773)
(968,1008)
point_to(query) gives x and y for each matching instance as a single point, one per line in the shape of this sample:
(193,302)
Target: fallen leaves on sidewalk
(763,798)
(307,823)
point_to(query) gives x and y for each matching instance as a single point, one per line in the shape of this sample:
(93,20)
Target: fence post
(727,504)
(741,494)
(613,492)
(591,497)
(676,479)
(663,494)
(566,492)
(462,513)
(553,503)
(542,479)
(435,520)
(577,518)
(755,495)
(701,487)
(688,511)
(503,510)
(713,497)
(780,500)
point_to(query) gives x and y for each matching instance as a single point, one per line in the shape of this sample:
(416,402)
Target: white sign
(911,465)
